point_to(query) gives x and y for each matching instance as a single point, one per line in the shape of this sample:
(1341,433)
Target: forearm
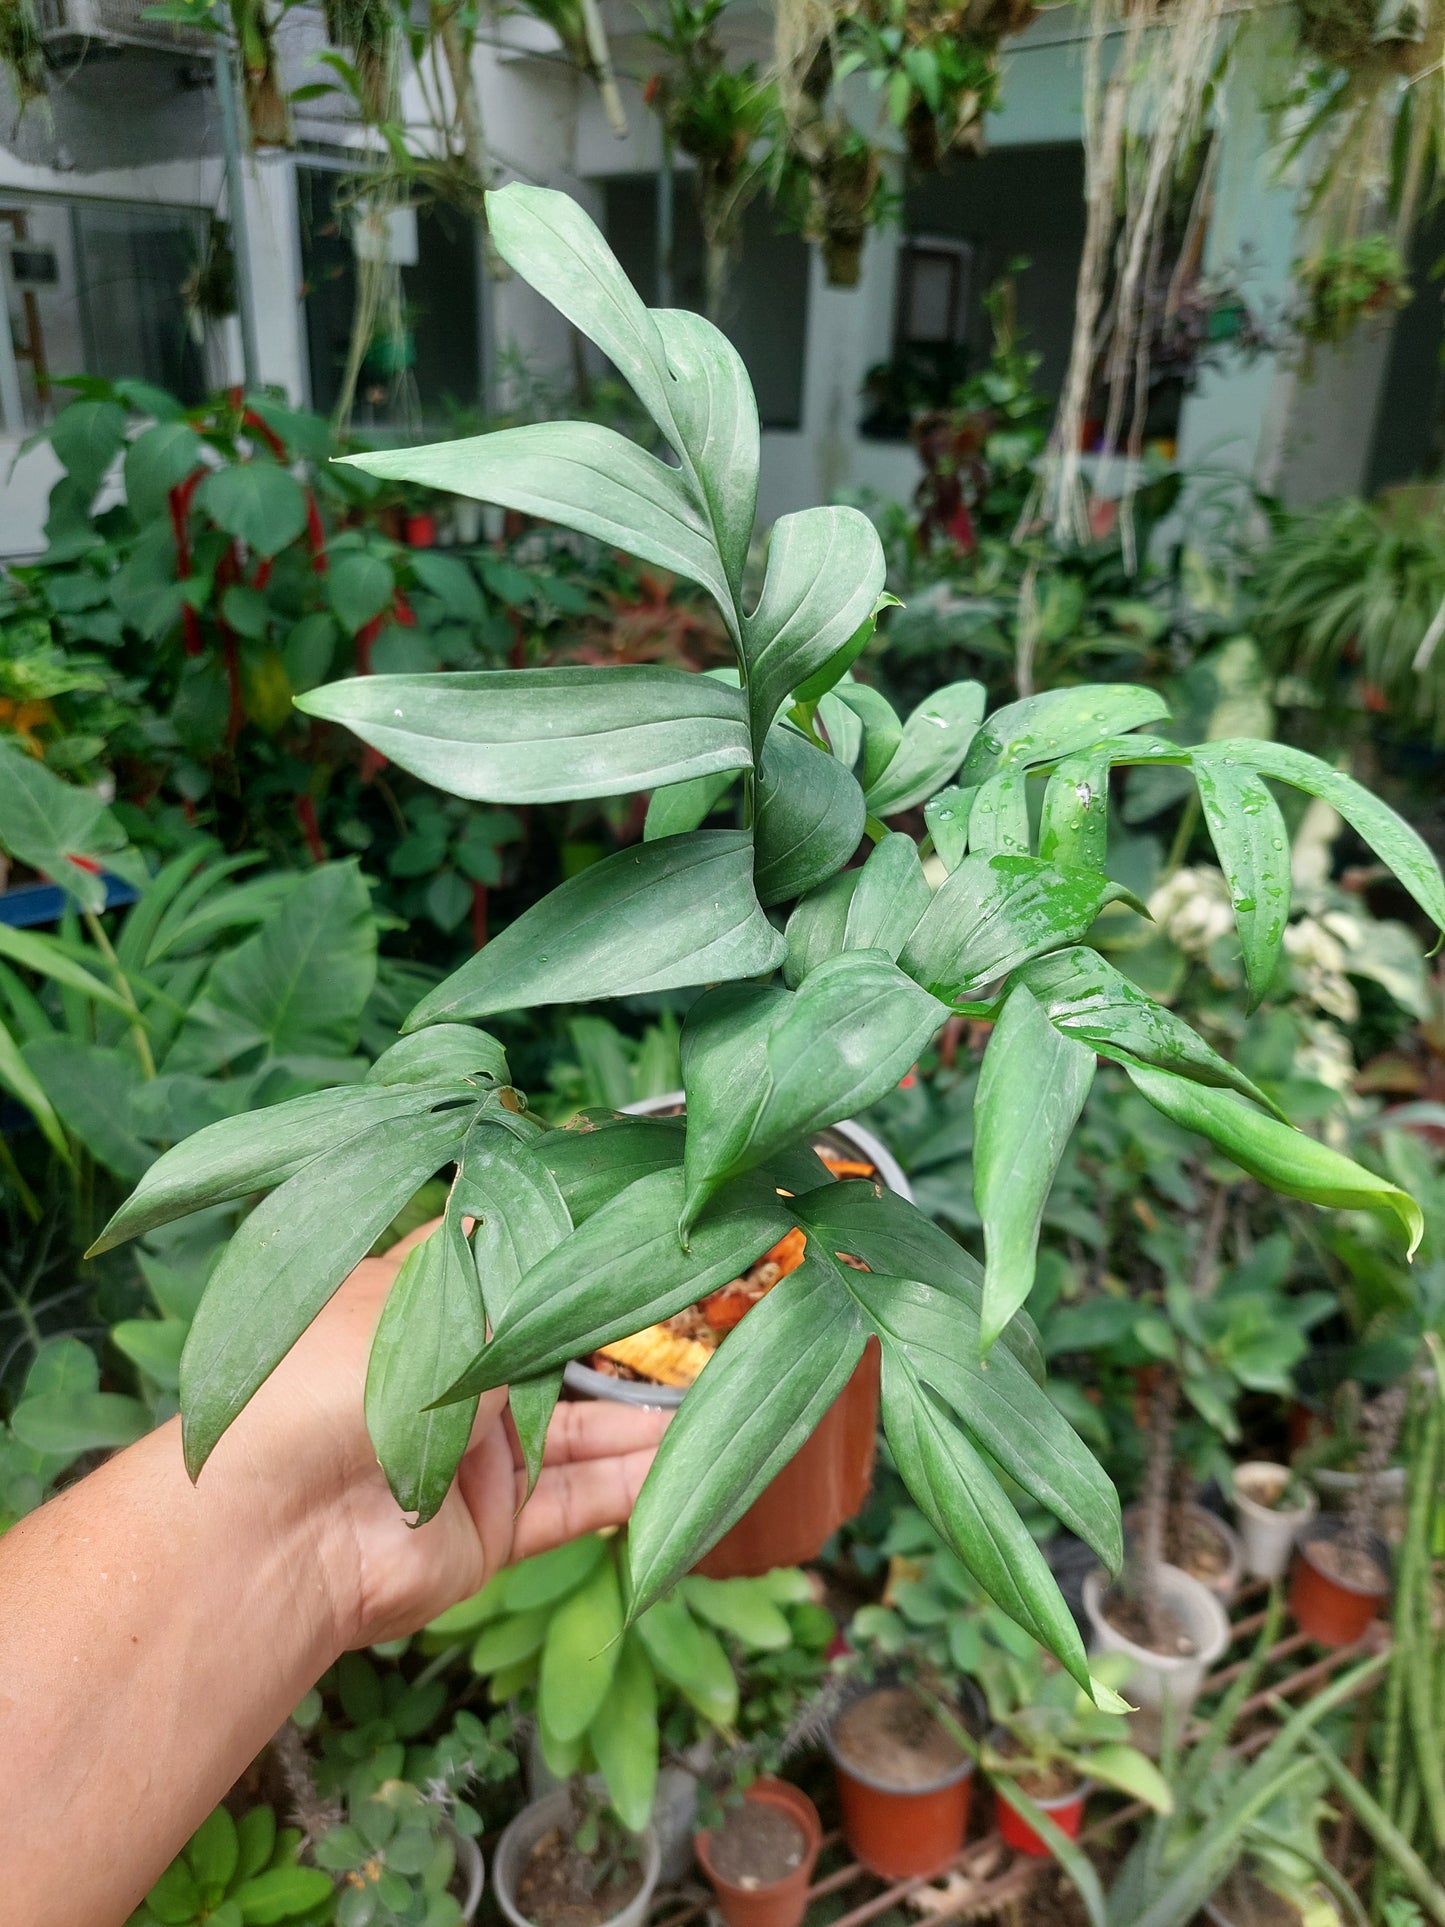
(153,1635)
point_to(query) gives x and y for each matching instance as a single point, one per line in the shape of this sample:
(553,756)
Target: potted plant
(401,1862)
(1341,1573)
(568,1861)
(1271,1506)
(759,1858)
(235,1867)
(554,1243)
(1047,1739)
(904,1775)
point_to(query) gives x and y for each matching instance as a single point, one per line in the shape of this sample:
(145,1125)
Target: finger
(573,1499)
(394,1254)
(596,1429)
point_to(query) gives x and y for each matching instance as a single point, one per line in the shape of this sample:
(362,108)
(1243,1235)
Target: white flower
(1193,909)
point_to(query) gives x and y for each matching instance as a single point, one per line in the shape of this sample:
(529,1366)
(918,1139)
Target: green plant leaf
(624,1736)
(507,1642)
(580,1654)
(958,1495)
(763,1068)
(882,728)
(715,427)
(545,735)
(817,926)
(935,739)
(996,912)
(258,1150)
(594,1158)
(764,1390)
(1074,827)
(67,1423)
(87,436)
(255,1841)
(692,1658)
(281,1894)
(579,474)
(891,896)
(289,1256)
(1275,1153)
(1387,834)
(1031,1090)
(93,1090)
(441,1051)
(49,824)
(946,815)
(158,460)
(998,817)
(359,585)
(684,806)
(213,1850)
(624,1270)
(1252,843)
(743,1607)
(260,503)
(23,1085)
(431,1324)
(521,1216)
(155,1345)
(550,1576)
(656,917)
(820,596)
(1040,729)
(1096,1004)
(810,817)
(1130,1772)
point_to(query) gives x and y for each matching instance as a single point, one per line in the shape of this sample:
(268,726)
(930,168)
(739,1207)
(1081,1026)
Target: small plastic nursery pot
(1328,1609)
(901,1833)
(523,1833)
(778,1903)
(471,1873)
(1225,1584)
(1066,1810)
(1159,1679)
(1268,1532)
(826,1482)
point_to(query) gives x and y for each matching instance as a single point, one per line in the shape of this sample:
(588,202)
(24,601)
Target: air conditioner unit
(68,26)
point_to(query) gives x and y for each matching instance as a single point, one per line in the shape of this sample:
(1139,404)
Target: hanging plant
(579,26)
(717,115)
(367,29)
(268,112)
(1345,285)
(22,52)
(209,290)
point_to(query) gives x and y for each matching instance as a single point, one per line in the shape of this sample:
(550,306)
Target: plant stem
(1154,1502)
(122,983)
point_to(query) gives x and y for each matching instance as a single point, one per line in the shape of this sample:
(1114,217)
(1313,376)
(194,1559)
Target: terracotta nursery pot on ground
(826,1482)
(760,1861)
(1332,1598)
(1066,1810)
(904,1784)
(551,1821)
(1160,1678)
(1267,1528)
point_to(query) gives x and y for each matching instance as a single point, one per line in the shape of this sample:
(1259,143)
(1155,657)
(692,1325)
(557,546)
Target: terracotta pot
(781,1903)
(1066,1810)
(902,1833)
(1325,1608)
(827,1481)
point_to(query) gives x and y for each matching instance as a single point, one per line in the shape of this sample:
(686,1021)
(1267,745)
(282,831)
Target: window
(437,347)
(96,288)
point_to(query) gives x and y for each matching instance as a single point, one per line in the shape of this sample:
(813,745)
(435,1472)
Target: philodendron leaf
(622,1271)
(595,1157)
(764,1390)
(431,1325)
(624,1736)
(810,817)
(715,428)
(239,1156)
(816,928)
(820,595)
(520,1216)
(289,1256)
(954,1489)
(1040,729)
(586,477)
(882,727)
(681,807)
(1096,1004)
(441,1051)
(655,917)
(59,829)
(765,1067)
(998,818)
(1074,828)
(545,735)
(935,740)
(1387,834)
(891,896)
(1252,843)
(996,912)
(946,815)
(1276,1154)
(1030,1093)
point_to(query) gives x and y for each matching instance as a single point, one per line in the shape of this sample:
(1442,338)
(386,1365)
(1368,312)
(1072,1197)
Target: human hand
(304,1437)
